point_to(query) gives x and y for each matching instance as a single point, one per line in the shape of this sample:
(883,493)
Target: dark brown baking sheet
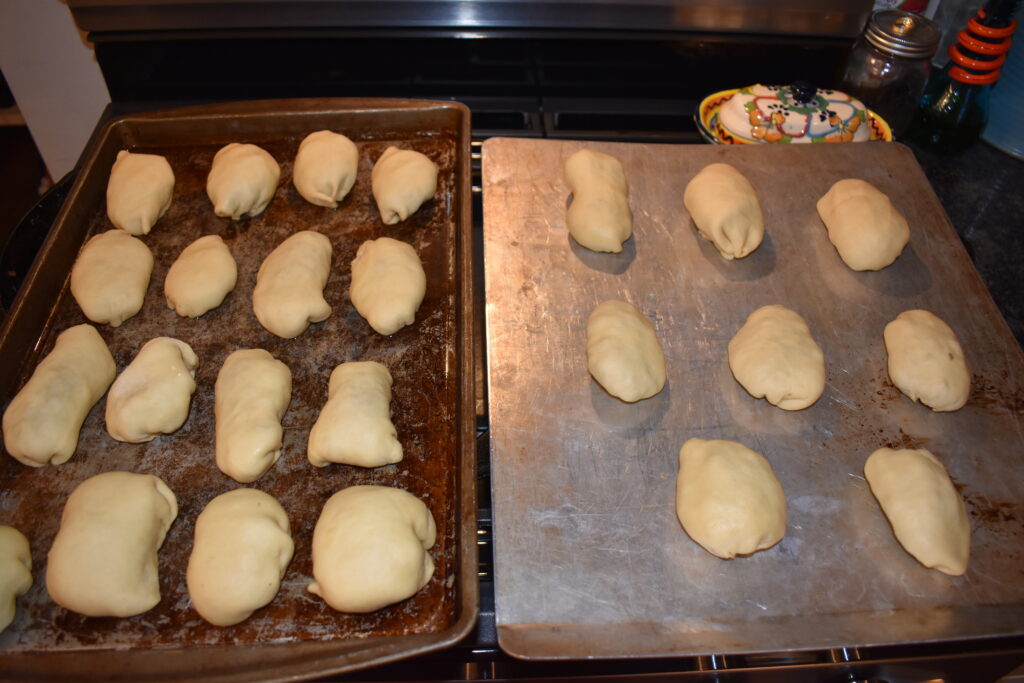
(590,560)
(433,409)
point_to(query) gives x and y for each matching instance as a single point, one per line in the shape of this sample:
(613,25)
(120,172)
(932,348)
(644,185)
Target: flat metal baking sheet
(296,635)
(590,560)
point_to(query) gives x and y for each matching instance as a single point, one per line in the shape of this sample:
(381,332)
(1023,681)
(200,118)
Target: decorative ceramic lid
(795,113)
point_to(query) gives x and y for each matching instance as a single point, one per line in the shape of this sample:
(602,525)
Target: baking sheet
(432,406)
(590,560)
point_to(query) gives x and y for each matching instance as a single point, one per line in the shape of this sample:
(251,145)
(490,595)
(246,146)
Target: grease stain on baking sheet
(993,396)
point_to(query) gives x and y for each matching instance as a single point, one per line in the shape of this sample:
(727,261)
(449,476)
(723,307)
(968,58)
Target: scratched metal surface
(590,560)
(427,406)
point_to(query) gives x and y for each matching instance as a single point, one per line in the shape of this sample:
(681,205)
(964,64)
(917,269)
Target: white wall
(54,77)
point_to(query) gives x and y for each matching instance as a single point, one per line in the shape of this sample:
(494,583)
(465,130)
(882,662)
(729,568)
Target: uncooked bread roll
(41,424)
(15,571)
(927,514)
(402,180)
(388,284)
(199,279)
(326,167)
(863,225)
(242,180)
(623,352)
(370,548)
(775,357)
(110,277)
(152,395)
(103,562)
(728,499)
(289,293)
(243,544)
(139,191)
(251,394)
(355,428)
(926,362)
(599,217)
(725,209)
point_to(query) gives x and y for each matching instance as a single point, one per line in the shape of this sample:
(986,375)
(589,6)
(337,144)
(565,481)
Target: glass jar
(888,67)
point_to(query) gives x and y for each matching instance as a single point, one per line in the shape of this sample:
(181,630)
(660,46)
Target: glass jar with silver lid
(889,66)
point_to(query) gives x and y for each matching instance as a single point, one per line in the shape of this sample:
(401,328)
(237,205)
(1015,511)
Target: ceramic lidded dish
(787,114)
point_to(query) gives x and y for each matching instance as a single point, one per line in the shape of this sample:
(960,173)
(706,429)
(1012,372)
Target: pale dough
(243,544)
(402,180)
(325,168)
(251,395)
(103,562)
(774,356)
(242,180)
(139,191)
(388,284)
(153,394)
(728,499)
(623,352)
(15,572)
(42,422)
(927,514)
(289,293)
(725,208)
(863,225)
(370,548)
(354,427)
(926,361)
(201,277)
(599,217)
(110,277)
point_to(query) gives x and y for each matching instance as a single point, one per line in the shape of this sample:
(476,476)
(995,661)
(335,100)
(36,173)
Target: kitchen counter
(982,191)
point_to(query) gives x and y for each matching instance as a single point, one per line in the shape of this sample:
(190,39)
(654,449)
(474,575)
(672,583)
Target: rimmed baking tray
(590,560)
(297,635)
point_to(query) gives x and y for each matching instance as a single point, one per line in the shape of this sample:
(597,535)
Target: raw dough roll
(139,191)
(370,548)
(201,277)
(725,209)
(252,393)
(243,544)
(152,395)
(775,357)
(926,362)
(388,284)
(325,168)
(15,571)
(927,514)
(599,217)
(103,562)
(728,498)
(242,180)
(110,277)
(289,293)
(402,180)
(42,422)
(623,352)
(354,427)
(863,225)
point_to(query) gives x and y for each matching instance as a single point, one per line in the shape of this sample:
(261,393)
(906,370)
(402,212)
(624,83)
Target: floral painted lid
(795,113)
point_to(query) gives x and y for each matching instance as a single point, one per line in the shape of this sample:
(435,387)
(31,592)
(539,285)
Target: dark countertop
(982,190)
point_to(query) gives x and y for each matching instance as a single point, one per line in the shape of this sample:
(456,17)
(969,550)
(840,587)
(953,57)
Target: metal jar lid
(902,33)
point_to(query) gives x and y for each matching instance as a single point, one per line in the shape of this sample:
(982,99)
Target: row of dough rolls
(111,275)
(861,221)
(370,550)
(244,177)
(728,498)
(730,502)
